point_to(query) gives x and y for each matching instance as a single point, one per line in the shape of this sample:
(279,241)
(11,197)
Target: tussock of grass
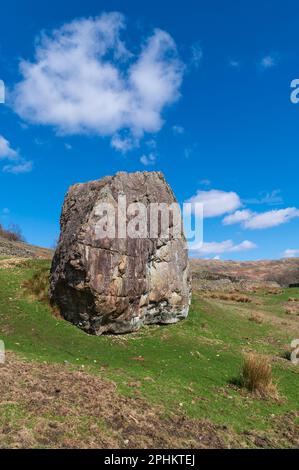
(257,376)
(38,285)
(274,291)
(292,309)
(256,318)
(233,297)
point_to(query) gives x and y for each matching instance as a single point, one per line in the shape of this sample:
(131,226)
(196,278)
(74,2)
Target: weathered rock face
(116,284)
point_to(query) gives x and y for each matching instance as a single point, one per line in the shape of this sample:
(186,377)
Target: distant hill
(284,273)
(23,250)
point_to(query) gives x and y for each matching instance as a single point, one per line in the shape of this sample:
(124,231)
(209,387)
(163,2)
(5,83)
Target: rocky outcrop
(116,284)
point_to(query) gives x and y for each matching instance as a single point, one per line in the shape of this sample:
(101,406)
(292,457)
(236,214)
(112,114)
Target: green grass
(187,366)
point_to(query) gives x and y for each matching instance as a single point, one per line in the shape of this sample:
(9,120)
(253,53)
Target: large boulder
(111,284)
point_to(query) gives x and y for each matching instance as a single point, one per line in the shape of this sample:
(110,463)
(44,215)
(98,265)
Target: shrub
(13,233)
(257,376)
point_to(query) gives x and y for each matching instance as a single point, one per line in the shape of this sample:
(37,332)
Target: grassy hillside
(184,378)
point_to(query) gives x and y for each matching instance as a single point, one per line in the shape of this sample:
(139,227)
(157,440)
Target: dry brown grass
(59,407)
(257,376)
(274,291)
(11,263)
(292,309)
(230,297)
(256,318)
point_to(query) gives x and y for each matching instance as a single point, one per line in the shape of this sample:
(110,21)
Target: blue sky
(199,90)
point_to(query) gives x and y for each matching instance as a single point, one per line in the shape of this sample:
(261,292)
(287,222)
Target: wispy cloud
(148,160)
(291,253)
(178,130)
(17,169)
(17,163)
(235,64)
(188,152)
(101,88)
(205,182)
(227,246)
(268,62)
(196,54)
(152,144)
(6,151)
(255,221)
(269,198)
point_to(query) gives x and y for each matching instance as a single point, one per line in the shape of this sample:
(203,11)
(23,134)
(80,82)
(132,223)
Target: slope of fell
(283,273)
(23,250)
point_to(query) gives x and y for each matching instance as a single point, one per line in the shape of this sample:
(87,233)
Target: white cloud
(18,164)
(188,152)
(21,167)
(237,217)
(291,253)
(268,62)
(39,142)
(234,64)
(123,144)
(178,130)
(227,246)
(151,143)
(254,220)
(2,92)
(84,80)
(196,54)
(6,151)
(205,182)
(269,198)
(148,159)
(217,202)
(271,218)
